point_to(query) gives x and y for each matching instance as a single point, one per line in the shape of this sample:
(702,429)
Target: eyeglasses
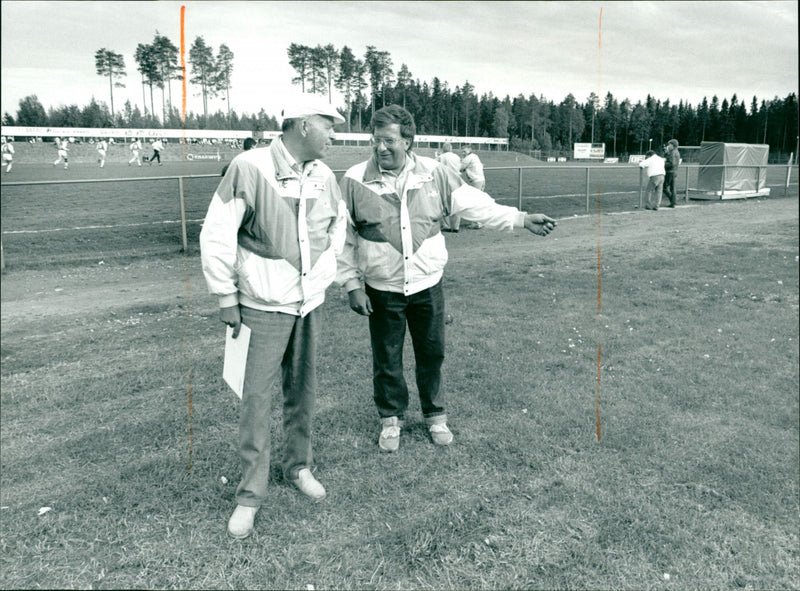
(386,141)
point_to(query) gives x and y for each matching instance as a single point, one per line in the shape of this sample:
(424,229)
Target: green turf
(695,475)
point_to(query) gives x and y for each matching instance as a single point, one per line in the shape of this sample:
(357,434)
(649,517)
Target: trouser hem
(436,419)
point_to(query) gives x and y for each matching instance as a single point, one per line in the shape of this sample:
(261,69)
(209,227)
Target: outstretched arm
(540,224)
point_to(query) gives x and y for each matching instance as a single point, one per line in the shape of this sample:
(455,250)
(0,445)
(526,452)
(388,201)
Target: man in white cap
(269,245)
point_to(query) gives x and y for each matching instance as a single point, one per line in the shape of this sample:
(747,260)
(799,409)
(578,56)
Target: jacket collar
(286,167)
(374,174)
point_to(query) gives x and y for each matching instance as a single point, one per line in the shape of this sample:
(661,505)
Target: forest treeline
(367,83)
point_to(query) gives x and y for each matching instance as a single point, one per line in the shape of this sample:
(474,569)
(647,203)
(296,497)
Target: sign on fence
(589,151)
(204,156)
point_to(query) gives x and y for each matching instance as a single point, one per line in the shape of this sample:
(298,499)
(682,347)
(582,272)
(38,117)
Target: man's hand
(540,224)
(359,302)
(231,317)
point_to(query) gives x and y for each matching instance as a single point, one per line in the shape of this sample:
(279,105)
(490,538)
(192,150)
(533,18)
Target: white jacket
(271,235)
(394,240)
(654,165)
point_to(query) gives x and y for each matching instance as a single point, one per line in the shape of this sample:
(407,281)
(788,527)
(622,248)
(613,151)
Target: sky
(668,49)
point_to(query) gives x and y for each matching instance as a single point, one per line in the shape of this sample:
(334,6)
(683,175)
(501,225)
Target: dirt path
(84,290)
(99,288)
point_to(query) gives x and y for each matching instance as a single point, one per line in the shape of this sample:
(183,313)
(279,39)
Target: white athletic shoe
(389,439)
(308,485)
(240,525)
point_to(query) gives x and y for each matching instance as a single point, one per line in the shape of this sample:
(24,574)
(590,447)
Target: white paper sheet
(235,360)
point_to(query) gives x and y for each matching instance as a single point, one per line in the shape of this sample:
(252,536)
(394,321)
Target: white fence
(430,141)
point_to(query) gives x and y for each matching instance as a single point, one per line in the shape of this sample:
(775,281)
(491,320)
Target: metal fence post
(686,194)
(758,179)
(519,186)
(722,183)
(183,216)
(587,189)
(641,202)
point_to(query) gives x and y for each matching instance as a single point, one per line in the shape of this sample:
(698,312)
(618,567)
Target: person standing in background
(157,147)
(452,161)
(472,167)
(654,165)
(673,161)
(136,150)
(102,147)
(8,153)
(249,144)
(63,147)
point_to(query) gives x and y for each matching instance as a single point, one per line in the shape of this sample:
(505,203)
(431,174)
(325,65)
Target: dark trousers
(669,186)
(423,312)
(156,156)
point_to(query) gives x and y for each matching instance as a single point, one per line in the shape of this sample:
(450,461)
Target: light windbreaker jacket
(394,242)
(271,235)
(654,165)
(472,167)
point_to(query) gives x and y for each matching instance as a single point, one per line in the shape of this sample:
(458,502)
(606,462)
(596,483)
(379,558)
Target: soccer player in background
(157,147)
(102,147)
(8,153)
(63,147)
(136,150)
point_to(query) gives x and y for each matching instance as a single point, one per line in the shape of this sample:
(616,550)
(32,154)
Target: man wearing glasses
(394,258)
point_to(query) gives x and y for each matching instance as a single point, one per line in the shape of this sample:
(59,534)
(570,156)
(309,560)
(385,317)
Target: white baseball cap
(305,105)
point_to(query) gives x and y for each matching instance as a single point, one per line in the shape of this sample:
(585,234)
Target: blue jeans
(423,312)
(278,343)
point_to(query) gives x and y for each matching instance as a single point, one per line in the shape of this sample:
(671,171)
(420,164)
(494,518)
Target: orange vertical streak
(183,63)
(183,121)
(599,265)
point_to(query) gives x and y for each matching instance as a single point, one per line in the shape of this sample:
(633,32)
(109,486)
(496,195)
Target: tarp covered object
(742,167)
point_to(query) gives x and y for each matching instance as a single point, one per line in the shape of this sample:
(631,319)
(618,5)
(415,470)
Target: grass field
(693,484)
(126,220)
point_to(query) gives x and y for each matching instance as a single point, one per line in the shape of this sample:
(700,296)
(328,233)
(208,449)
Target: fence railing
(586,170)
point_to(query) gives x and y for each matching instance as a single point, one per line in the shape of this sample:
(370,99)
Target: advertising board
(589,151)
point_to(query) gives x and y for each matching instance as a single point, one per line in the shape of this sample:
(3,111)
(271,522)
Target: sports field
(125,220)
(118,434)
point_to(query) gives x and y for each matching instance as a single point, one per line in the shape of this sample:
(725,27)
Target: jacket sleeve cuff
(352,284)
(229,300)
(520,221)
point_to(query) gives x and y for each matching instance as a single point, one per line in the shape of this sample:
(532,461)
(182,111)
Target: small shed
(732,171)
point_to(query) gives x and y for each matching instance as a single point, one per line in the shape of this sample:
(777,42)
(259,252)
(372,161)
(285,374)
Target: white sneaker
(240,525)
(308,485)
(389,439)
(440,434)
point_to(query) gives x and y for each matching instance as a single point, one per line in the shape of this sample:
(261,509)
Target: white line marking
(165,222)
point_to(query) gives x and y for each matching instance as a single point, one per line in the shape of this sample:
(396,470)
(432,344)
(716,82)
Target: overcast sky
(671,50)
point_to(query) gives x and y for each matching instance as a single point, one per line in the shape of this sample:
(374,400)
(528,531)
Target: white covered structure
(732,171)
